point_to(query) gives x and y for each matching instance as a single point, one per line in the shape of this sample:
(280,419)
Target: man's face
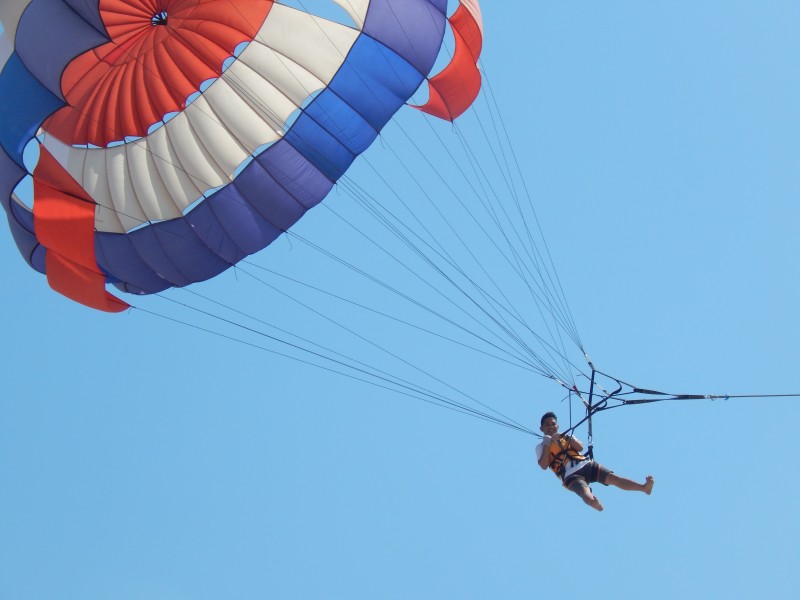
(549,427)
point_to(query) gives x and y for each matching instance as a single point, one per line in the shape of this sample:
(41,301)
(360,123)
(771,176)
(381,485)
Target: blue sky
(140,458)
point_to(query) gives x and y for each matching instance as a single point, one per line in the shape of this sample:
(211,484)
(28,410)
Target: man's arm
(574,443)
(544,457)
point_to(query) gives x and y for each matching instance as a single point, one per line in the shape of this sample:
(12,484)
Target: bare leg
(629,485)
(587,496)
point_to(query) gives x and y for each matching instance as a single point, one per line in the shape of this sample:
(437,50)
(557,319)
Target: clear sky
(141,458)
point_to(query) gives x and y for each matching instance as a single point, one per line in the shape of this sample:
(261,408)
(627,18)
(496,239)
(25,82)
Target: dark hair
(546,416)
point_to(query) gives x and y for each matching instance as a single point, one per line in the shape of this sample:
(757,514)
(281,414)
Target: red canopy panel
(146,71)
(64,224)
(454,89)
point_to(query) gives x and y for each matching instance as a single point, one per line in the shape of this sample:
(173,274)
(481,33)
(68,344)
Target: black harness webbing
(627,394)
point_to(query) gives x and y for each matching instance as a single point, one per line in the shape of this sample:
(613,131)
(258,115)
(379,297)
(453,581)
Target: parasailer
(562,454)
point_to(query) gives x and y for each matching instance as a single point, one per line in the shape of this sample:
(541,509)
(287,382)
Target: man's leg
(580,487)
(630,485)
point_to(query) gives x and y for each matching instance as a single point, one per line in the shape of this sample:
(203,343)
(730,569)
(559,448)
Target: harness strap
(558,464)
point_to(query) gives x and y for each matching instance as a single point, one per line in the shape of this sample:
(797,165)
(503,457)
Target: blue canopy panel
(49,35)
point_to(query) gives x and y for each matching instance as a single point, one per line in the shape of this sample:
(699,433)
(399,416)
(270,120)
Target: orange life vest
(561,454)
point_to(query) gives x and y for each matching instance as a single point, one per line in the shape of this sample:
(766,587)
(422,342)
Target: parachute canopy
(177,137)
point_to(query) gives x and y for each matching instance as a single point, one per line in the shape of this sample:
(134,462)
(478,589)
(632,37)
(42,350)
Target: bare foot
(648,484)
(595,503)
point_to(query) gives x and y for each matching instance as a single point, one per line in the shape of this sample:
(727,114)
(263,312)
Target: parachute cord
(487,207)
(548,299)
(480,175)
(400,387)
(619,398)
(466,246)
(489,302)
(518,269)
(456,267)
(406,297)
(589,413)
(569,403)
(434,288)
(381,348)
(545,369)
(453,193)
(552,307)
(557,285)
(520,364)
(396,227)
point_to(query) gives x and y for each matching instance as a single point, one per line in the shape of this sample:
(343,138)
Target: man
(563,456)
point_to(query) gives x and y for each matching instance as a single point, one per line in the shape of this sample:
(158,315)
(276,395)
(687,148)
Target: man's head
(549,423)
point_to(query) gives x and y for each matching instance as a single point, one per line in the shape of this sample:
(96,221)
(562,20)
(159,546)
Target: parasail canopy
(177,137)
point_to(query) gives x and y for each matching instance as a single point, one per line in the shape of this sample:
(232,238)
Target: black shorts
(585,475)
